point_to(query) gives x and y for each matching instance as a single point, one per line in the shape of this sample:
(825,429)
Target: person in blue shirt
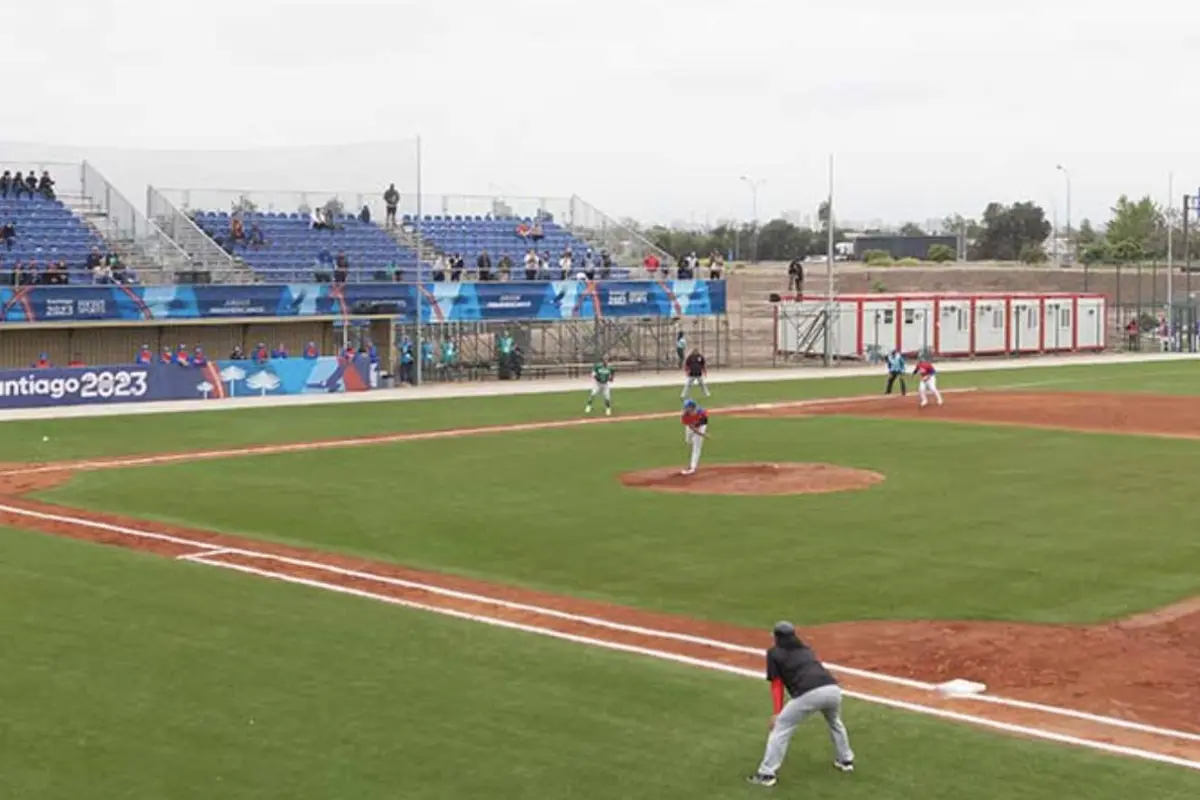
(427,354)
(280,352)
(896,370)
(406,363)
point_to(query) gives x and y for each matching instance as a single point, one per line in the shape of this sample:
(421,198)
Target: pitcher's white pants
(929,386)
(696,443)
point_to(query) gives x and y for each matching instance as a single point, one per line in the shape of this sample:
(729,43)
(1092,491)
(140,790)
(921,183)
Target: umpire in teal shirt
(896,370)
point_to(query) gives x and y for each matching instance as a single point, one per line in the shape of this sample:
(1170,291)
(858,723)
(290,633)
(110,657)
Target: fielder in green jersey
(602,378)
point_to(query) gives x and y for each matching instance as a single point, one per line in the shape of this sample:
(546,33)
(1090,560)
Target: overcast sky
(651,109)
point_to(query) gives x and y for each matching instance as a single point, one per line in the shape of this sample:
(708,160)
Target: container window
(998,318)
(909,316)
(1066,318)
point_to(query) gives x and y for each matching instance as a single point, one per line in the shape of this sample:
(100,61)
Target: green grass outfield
(972,522)
(84,437)
(128,676)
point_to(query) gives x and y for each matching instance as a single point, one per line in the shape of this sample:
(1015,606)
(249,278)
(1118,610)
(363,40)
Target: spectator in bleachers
(407,361)
(58,274)
(260,354)
(531,265)
(505,267)
(5,183)
(651,264)
(311,352)
(28,276)
(144,356)
(31,183)
(94,259)
(714,266)
(523,230)
(606,264)
(76,361)
(9,234)
(166,356)
(341,268)
(391,201)
(483,265)
(456,267)
(439,268)
(256,237)
(45,186)
(317,220)
(237,229)
(566,266)
(198,357)
(102,274)
(12,276)
(182,357)
(280,351)
(43,362)
(536,233)
(237,353)
(18,185)
(364,216)
(544,266)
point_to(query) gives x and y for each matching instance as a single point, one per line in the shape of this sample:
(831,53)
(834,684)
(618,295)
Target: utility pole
(1067,175)
(418,356)
(754,209)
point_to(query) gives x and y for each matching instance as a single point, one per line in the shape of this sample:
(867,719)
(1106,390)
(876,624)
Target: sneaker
(844,766)
(759,779)
(608,412)
(688,471)
(587,410)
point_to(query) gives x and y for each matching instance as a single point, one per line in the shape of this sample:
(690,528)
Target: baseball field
(495,597)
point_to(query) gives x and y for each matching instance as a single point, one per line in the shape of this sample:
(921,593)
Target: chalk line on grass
(1021,730)
(211,553)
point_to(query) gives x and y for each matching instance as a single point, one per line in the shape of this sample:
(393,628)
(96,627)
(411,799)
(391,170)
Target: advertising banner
(72,386)
(438,302)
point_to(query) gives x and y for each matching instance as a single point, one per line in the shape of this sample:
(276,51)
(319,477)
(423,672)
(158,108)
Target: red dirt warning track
(754,479)
(1143,670)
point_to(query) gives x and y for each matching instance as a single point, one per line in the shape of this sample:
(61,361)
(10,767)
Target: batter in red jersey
(928,375)
(695,423)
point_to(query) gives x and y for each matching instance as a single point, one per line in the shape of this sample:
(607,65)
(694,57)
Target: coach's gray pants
(827,700)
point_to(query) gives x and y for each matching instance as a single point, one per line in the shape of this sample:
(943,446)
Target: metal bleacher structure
(199,221)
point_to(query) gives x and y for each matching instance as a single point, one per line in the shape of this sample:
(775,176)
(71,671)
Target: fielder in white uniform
(696,369)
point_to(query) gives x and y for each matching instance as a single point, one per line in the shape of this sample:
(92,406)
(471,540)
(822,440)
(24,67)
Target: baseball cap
(689,403)
(783,628)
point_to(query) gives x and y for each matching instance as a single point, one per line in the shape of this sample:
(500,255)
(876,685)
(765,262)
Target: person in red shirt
(311,351)
(651,263)
(928,375)
(261,354)
(43,362)
(76,361)
(181,356)
(166,356)
(695,423)
(144,356)
(198,357)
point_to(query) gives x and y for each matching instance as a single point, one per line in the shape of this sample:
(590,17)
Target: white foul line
(215,550)
(1022,730)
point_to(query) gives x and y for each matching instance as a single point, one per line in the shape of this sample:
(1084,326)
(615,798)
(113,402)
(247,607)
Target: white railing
(204,254)
(122,223)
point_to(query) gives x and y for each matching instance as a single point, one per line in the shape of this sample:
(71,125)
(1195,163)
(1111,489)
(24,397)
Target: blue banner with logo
(438,302)
(72,386)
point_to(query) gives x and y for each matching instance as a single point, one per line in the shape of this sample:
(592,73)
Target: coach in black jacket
(793,668)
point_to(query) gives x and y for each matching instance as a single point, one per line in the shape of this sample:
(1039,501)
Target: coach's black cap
(784,628)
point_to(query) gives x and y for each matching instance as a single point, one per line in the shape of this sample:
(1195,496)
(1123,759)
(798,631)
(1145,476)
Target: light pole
(1067,176)
(754,209)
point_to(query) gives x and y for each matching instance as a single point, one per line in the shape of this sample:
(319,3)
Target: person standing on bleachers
(5,183)
(45,186)
(9,234)
(483,266)
(566,266)
(341,268)
(605,265)
(18,185)
(456,267)
(391,201)
(505,268)
(531,265)
(31,183)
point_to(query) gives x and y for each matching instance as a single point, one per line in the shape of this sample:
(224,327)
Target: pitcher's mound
(760,479)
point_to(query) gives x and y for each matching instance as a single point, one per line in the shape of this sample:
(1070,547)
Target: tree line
(1137,230)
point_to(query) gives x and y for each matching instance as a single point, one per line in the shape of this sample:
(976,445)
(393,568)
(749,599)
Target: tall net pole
(419,355)
(829,298)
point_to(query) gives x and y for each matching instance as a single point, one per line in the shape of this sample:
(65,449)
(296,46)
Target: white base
(961,688)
